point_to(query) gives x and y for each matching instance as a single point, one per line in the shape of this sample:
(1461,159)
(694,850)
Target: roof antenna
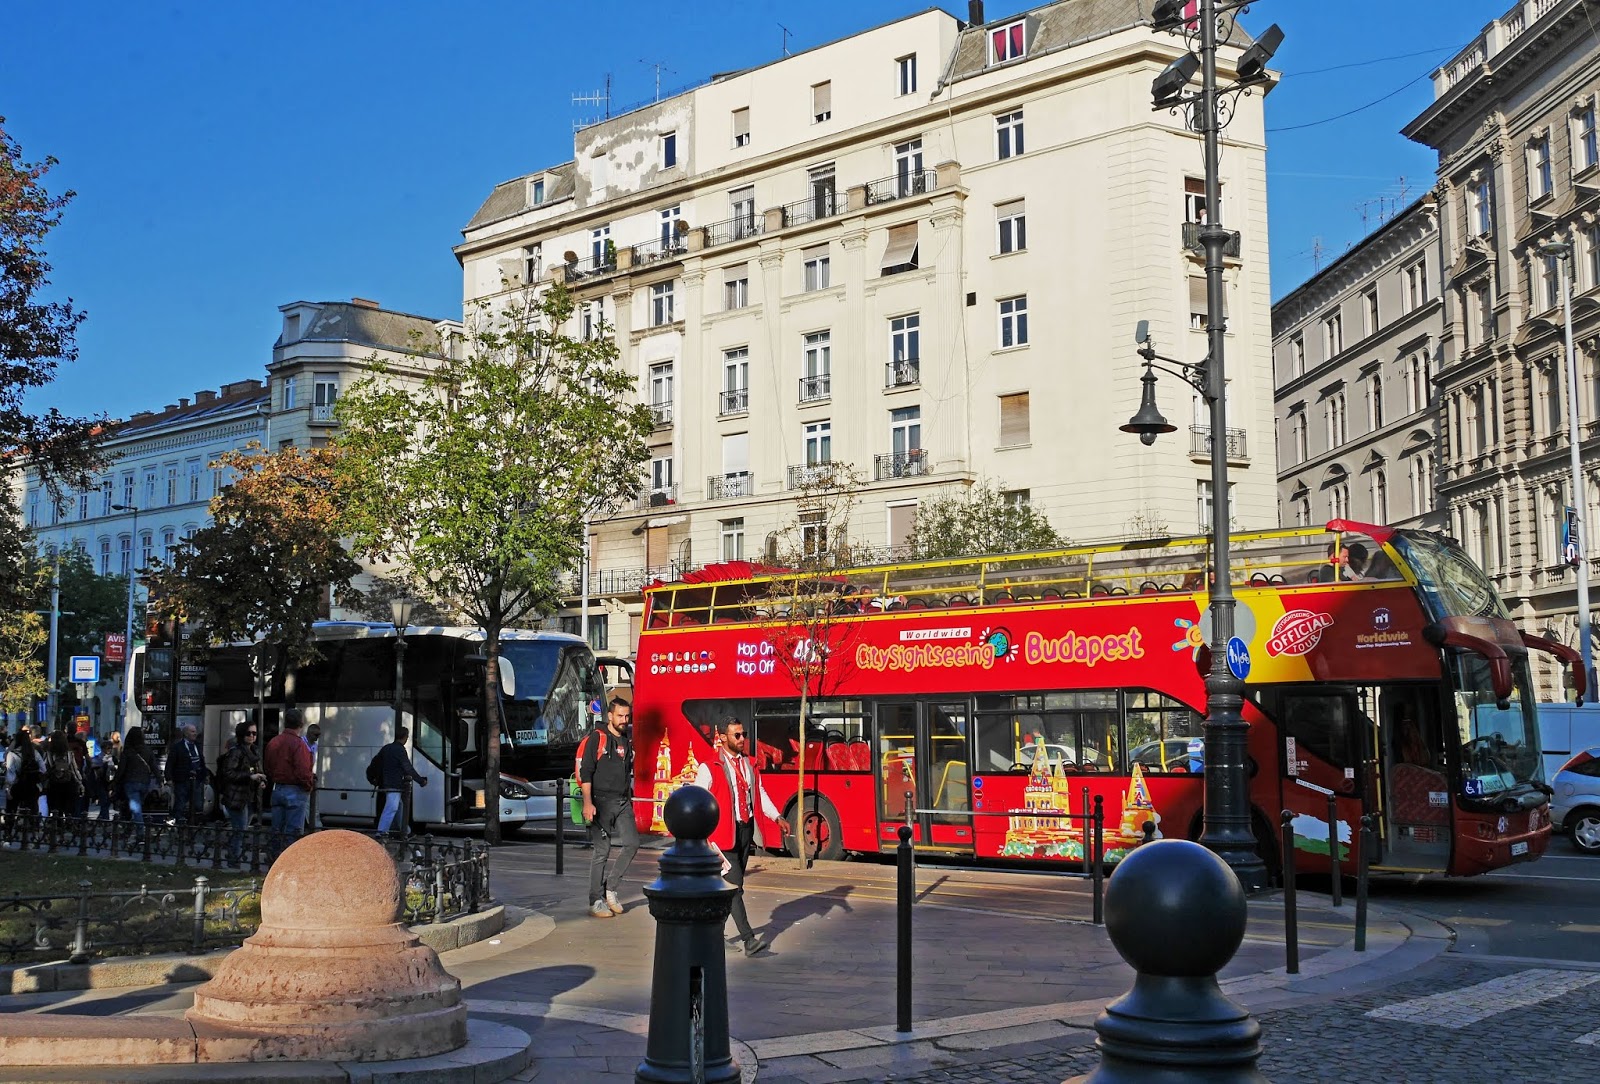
(659,67)
(786,35)
(599,98)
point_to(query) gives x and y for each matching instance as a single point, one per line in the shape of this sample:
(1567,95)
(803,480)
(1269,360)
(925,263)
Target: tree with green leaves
(476,479)
(36,336)
(91,604)
(980,519)
(272,552)
(23,637)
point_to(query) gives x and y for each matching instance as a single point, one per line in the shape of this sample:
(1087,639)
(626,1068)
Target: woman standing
(241,776)
(24,773)
(111,754)
(136,771)
(63,784)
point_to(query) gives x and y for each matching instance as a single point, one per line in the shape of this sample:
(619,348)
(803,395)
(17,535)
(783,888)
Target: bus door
(1409,783)
(924,773)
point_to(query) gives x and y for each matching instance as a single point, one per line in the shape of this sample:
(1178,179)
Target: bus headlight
(515,790)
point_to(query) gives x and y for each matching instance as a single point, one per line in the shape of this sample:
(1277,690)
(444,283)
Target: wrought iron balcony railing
(1200,442)
(322,414)
(657,497)
(594,266)
(661,414)
(913,183)
(720,487)
(813,388)
(736,401)
(898,374)
(739,228)
(908,464)
(1191,240)
(659,249)
(821,204)
(811,474)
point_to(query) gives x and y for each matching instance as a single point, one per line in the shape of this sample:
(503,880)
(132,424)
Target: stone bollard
(1176,913)
(689,993)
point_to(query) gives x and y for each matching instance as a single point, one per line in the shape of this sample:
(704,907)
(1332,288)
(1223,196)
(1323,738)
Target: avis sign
(1297,632)
(116,647)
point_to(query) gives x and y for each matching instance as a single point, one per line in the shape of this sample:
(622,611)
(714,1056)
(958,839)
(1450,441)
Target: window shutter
(1197,294)
(901,251)
(735,272)
(1012,209)
(1014,420)
(735,453)
(741,122)
(822,98)
(902,518)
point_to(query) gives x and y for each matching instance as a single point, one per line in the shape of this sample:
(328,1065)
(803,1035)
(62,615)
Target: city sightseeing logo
(1297,632)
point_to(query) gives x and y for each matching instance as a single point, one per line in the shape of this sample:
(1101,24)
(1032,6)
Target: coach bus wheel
(821,832)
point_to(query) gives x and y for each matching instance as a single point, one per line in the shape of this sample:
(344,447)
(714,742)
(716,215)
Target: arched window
(1380,497)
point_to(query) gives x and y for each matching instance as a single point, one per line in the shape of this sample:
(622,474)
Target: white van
(1565,730)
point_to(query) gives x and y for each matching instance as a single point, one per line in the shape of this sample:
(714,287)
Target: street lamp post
(1227,829)
(1562,252)
(127,626)
(400,611)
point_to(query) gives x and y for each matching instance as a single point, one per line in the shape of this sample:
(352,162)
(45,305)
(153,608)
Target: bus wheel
(821,831)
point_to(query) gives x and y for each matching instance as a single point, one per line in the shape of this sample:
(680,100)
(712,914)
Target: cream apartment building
(1514,123)
(1355,349)
(922,250)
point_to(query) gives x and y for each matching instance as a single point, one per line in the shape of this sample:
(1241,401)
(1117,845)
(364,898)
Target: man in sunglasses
(735,782)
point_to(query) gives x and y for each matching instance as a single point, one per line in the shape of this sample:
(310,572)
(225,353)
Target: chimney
(975,12)
(183,402)
(363,302)
(204,397)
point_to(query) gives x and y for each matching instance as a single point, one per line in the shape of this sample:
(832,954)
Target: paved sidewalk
(1009,975)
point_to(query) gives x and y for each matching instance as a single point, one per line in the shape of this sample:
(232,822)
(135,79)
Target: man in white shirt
(736,784)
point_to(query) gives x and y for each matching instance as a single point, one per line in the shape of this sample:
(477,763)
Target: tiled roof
(342,321)
(511,197)
(242,401)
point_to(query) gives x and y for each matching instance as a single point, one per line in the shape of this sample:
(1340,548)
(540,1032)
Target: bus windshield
(555,685)
(1449,583)
(1499,746)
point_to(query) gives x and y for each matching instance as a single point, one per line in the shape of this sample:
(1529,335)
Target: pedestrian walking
(395,776)
(111,753)
(136,775)
(313,736)
(63,785)
(186,771)
(288,764)
(241,777)
(605,776)
(24,774)
(735,782)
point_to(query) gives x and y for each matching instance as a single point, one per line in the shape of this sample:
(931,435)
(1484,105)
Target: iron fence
(739,228)
(910,183)
(444,879)
(820,204)
(901,372)
(908,464)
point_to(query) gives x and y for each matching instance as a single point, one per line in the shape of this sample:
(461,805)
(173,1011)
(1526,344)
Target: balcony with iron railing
(721,487)
(912,183)
(813,474)
(908,464)
(322,414)
(740,228)
(1192,242)
(593,267)
(659,249)
(1200,443)
(815,388)
(619,581)
(661,414)
(902,372)
(823,204)
(657,497)
(735,401)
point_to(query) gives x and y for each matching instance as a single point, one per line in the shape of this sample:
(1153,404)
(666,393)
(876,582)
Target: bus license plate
(1518,848)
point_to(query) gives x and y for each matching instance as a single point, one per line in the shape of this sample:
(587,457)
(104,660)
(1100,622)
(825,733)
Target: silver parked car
(1575,807)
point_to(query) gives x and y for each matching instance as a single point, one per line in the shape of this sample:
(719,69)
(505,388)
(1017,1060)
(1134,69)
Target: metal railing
(913,183)
(661,414)
(736,401)
(322,414)
(817,205)
(812,474)
(900,373)
(621,581)
(1192,242)
(578,270)
(725,486)
(813,388)
(444,879)
(740,228)
(657,496)
(1200,442)
(908,464)
(659,249)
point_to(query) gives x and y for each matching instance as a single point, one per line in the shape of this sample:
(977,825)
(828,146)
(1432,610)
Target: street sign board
(85,668)
(1239,658)
(116,647)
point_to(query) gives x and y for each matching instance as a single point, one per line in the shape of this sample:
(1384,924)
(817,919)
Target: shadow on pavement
(816,905)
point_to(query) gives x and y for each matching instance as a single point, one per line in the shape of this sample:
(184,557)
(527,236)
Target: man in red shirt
(736,784)
(288,764)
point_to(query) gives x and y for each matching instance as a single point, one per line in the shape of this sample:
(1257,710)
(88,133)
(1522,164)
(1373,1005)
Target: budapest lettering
(1082,650)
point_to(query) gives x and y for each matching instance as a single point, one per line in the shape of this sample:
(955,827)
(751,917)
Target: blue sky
(231,157)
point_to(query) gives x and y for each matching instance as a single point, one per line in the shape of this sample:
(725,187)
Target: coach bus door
(924,770)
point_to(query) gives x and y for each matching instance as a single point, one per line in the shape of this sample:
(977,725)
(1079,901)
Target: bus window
(313,682)
(1159,731)
(1098,749)
(706,716)
(229,679)
(366,672)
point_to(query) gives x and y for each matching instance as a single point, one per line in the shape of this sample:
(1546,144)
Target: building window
(105,496)
(900,252)
(1013,322)
(816,268)
(172,482)
(1194,200)
(599,629)
(1375,403)
(661,304)
(741,127)
(83,505)
(669,150)
(817,359)
(821,102)
(732,533)
(600,248)
(1199,304)
(1014,425)
(669,220)
(105,557)
(661,390)
(1332,336)
(905,350)
(589,320)
(125,553)
(742,205)
(905,437)
(1297,354)
(1008,134)
(735,380)
(1016,498)
(661,476)
(814,533)
(536,193)
(290,385)
(1006,42)
(1550,272)
(1380,497)
(1297,433)
(1484,312)
(906,75)
(152,486)
(194,468)
(1416,285)
(736,286)
(1203,503)
(819,443)
(908,168)
(1585,140)
(1373,323)
(147,548)
(1480,206)
(169,542)
(1541,177)
(1012,219)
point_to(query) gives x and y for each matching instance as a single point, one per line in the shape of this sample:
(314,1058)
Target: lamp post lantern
(1561,251)
(400,610)
(1227,829)
(127,625)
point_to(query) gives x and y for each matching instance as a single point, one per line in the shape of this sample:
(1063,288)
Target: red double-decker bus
(981,698)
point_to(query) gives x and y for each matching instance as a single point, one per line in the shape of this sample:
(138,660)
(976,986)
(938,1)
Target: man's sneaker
(613,903)
(756,944)
(598,909)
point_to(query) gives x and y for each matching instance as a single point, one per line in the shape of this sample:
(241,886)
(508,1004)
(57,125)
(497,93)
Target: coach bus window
(1159,731)
(228,677)
(366,672)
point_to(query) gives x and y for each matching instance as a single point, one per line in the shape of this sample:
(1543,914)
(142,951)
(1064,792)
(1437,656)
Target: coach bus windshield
(556,683)
(1500,747)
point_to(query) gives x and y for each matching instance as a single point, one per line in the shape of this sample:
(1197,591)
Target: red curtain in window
(1016,40)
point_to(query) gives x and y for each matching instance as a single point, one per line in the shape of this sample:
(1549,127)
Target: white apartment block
(1355,350)
(1514,123)
(922,250)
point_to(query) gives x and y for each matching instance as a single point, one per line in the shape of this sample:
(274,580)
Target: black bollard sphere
(691,813)
(1176,913)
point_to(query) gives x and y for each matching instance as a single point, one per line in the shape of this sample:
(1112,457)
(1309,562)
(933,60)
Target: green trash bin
(575,803)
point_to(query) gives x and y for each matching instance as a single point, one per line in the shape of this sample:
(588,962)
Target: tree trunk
(491,753)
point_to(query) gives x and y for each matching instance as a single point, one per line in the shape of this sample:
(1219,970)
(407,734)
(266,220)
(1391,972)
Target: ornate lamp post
(1205,26)
(127,627)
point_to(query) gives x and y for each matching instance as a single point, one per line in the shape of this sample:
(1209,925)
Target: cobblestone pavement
(1470,1022)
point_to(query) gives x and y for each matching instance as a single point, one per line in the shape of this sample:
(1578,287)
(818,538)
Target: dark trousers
(188,800)
(744,838)
(613,828)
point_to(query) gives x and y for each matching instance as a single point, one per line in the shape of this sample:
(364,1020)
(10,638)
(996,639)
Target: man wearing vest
(605,775)
(735,783)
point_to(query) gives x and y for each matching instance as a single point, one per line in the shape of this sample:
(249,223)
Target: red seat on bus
(658,620)
(860,755)
(768,756)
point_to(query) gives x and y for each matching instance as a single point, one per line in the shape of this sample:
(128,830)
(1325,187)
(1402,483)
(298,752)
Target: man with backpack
(605,776)
(392,773)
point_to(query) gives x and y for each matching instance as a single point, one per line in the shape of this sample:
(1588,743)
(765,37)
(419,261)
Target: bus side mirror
(508,677)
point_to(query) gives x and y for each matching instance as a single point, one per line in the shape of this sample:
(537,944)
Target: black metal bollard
(1176,913)
(1335,878)
(562,813)
(688,1040)
(1087,833)
(1291,911)
(1097,871)
(1363,855)
(905,896)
